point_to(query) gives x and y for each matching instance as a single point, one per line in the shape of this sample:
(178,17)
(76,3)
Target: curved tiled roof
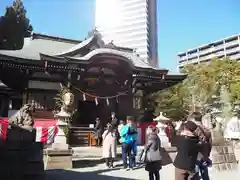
(34,46)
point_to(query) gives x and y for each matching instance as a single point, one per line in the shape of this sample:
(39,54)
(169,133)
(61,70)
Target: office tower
(130,23)
(227,47)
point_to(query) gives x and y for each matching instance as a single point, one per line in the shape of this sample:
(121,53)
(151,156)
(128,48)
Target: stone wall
(21,157)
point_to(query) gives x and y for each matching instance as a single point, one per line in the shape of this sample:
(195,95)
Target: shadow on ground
(82,163)
(167,158)
(72,175)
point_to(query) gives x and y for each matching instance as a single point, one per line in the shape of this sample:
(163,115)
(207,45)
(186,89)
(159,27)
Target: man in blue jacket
(128,137)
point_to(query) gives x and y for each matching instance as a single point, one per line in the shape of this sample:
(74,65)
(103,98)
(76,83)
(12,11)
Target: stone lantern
(162,125)
(60,155)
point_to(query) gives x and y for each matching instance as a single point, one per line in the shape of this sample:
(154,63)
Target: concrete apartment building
(227,47)
(130,23)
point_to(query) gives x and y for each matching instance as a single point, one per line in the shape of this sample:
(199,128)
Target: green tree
(202,83)
(14,26)
(171,102)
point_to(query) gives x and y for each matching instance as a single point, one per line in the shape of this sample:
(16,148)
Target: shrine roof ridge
(36,35)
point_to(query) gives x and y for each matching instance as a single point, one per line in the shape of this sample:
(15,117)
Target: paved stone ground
(100,172)
(88,166)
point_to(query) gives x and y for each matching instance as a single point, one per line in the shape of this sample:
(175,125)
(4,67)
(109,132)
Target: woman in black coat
(187,151)
(152,154)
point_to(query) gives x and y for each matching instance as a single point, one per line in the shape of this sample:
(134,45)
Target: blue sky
(182,24)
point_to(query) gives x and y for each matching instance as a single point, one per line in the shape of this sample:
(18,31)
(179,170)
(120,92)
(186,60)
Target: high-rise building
(130,23)
(226,47)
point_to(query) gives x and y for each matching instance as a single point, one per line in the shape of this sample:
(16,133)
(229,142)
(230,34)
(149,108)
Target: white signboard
(91,126)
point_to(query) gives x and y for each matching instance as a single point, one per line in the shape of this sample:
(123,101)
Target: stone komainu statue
(23,117)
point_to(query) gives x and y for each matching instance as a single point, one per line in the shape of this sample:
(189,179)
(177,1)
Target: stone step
(79,136)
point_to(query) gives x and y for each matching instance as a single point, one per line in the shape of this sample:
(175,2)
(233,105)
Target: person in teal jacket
(134,144)
(128,137)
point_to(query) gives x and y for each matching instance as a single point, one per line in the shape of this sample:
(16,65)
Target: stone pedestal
(60,141)
(58,159)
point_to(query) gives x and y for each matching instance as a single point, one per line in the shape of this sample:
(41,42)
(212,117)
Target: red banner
(3,128)
(46,130)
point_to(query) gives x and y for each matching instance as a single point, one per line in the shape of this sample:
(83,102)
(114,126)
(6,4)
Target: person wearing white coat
(109,150)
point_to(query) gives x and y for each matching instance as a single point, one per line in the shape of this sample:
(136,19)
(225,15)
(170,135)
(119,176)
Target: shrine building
(103,78)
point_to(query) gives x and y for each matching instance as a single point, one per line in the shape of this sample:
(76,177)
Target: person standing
(128,137)
(120,126)
(109,150)
(205,137)
(152,154)
(133,130)
(114,121)
(170,131)
(187,144)
(98,130)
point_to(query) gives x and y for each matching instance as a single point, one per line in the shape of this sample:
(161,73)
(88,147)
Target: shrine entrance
(104,87)
(88,112)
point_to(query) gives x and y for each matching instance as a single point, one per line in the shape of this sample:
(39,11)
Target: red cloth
(46,130)
(3,128)
(46,135)
(167,131)
(45,122)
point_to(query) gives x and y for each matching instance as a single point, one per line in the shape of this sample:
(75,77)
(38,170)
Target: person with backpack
(128,138)
(134,131)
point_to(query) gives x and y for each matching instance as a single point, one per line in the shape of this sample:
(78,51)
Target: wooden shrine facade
(103,77)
